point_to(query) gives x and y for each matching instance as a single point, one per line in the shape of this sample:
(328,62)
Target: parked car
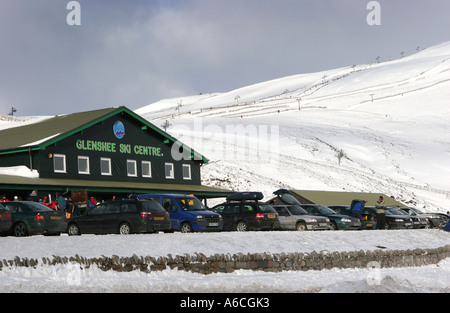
(5,220)
(121,217)
(187,213)
(367,222)
(417,221)
(392,221)
(33,218)
(243,212)
(294,217)
(338,221)
(434,219)
(445,217)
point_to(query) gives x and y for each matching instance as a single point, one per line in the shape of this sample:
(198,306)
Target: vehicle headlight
(347,220)
(313,220)
(398,220)
(199,217)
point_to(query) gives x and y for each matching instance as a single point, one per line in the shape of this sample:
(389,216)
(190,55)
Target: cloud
(137,52)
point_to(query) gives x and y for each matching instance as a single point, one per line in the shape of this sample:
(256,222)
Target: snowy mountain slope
(341,88)
(391,121)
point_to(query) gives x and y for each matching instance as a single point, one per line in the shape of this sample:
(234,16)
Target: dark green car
(368,221)
(338,221)
(32,218)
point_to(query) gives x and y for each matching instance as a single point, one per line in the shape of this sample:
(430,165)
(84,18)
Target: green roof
(344,198)
(54,184)
(39,135)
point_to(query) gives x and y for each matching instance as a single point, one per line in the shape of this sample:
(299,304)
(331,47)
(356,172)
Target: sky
(57,59)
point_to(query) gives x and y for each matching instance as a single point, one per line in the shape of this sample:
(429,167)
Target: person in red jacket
(46,202)
(54,206)
(92,202)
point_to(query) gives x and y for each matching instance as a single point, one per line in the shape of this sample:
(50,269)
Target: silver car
(294,217)
(434,220)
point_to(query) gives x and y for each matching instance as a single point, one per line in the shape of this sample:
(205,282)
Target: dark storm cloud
(136,52)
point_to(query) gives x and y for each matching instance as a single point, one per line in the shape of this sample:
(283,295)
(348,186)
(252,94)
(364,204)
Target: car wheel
(124,229)
(387,226)
(241,226)
(186,228)
(20,230)
(73,230)
(334,226)
(301,226)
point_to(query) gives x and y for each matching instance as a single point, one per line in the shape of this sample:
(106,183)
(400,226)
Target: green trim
(17,151)
(54,184)
(54,140)
(166,135)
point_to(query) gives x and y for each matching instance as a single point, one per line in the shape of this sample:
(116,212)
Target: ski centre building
(101,153)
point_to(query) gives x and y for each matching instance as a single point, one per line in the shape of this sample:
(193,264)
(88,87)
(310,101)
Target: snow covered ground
(68,278)
(390,120)
(71,278)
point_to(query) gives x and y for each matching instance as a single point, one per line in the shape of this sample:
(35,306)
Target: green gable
(40,135)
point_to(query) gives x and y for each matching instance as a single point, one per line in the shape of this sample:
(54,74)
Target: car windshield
(297,210)
(265,208)
(417,211)
(35,206)
(396,212)
(152,206)
(325,210)
(191,204)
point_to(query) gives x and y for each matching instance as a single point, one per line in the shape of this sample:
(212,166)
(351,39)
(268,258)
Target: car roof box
(246,196)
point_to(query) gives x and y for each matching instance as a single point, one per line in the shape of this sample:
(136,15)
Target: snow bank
(69,278)
(19,171)
(222,243)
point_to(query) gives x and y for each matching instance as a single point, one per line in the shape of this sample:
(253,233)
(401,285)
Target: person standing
(357,209)
(62,203)
(381,213)
(92,202)
(69,208)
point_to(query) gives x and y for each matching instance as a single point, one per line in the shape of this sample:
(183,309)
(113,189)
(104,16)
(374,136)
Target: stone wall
(227,263)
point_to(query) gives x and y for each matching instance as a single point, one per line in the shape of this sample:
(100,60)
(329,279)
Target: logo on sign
(119,129)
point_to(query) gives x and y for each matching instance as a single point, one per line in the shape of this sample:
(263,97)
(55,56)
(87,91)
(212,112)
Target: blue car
(187,213)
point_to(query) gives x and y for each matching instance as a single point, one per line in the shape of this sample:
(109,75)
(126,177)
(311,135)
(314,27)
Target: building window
(59,163)
(83,165)
(187,172)
(105,166)
(170,173)
(146,169)
(132,168)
